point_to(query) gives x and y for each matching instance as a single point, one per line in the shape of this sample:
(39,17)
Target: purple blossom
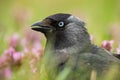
(5,73)
(3,62)
(37,50)
(32,65)
(118,49)
(108,45)
(17,57)
(13,41)
(12,57)
(91,37)
(9,52)
(8,73)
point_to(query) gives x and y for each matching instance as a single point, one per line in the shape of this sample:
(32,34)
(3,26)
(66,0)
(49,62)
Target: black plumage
(68,46)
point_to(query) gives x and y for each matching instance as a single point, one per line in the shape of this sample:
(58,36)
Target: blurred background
(102,18)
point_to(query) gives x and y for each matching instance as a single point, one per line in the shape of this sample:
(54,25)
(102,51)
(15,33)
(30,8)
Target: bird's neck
(70,44)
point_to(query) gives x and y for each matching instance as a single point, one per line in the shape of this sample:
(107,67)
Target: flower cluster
(29,45)
(108,45)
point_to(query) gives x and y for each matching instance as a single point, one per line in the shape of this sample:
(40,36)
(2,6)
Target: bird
(69,48)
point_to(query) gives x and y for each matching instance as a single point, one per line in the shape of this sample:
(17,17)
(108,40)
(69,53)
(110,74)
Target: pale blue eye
(61,24)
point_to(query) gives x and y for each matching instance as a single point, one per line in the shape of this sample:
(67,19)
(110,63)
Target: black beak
(41,27)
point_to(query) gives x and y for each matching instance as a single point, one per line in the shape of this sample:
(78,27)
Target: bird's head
(65,29)
(57,23)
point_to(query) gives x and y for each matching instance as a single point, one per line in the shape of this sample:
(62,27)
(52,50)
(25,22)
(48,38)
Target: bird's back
(96,60)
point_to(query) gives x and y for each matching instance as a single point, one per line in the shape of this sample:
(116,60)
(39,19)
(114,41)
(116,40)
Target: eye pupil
(61,24)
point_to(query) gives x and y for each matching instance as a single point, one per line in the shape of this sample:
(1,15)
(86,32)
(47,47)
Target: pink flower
(37,49)
(6,58)
(107,45)
(8,73)
(91,37)
(12,57)
(14,40)
(5,73)
(34,70)
(118,50)
(3,62)
(32,65)
(9,52)
(17,57)
(9,58)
